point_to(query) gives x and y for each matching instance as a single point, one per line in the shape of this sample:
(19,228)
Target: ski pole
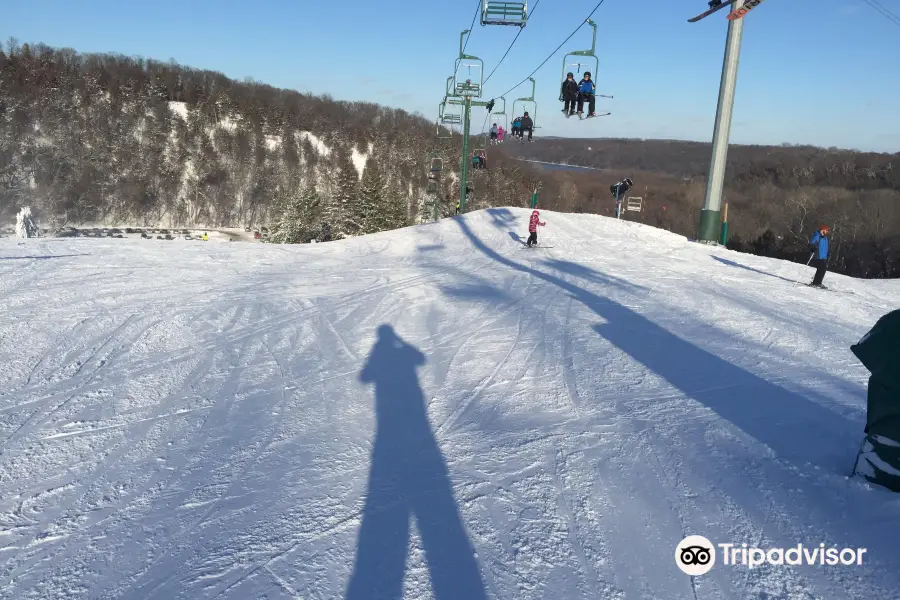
(810,258)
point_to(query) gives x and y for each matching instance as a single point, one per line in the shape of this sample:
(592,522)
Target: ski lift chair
(504,13)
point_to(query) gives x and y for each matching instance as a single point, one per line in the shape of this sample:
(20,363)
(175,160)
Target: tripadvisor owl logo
(695,555)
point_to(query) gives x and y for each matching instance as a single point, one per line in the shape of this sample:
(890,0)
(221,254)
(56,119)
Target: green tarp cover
(879,351)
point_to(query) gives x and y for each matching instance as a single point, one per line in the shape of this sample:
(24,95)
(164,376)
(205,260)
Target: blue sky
(823,73)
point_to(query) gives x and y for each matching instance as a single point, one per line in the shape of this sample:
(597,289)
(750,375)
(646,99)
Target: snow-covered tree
(396,206)
(374,208)
(25,226)
(294,216)
(288,226)
(346,202)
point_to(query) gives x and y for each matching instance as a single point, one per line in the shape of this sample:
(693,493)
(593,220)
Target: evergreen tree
(288,226)
(294,216)
(345,214)
(375,210)
(397,206)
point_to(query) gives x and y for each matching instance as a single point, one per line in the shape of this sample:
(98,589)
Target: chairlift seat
(468,89)
(504,13)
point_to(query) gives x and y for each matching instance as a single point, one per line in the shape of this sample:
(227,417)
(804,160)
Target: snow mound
(433,412)
(179,108)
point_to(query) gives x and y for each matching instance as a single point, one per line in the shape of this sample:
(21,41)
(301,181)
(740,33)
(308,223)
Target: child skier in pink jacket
(532,228)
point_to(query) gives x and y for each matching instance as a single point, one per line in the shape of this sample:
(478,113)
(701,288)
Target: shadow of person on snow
(408,478)
(732,263)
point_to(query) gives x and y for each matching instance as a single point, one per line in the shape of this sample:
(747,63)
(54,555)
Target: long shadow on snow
(408,477)
(501,217)
(731,263)
(769,413)
(579,270)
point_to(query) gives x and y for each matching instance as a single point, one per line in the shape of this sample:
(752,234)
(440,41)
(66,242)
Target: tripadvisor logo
(696,555)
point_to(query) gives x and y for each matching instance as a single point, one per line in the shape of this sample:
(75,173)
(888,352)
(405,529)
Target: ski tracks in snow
(193,428)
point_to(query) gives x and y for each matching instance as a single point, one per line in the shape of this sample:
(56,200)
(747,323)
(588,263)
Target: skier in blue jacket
(818,245)
(586,90)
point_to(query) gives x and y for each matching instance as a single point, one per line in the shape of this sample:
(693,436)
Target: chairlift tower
(462,94)
(710,216)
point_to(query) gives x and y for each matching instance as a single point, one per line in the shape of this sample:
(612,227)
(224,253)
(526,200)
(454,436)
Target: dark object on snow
(879,350)
(618,189)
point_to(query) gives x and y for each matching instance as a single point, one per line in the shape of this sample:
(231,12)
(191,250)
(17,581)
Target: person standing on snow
(818,245)
(532,228)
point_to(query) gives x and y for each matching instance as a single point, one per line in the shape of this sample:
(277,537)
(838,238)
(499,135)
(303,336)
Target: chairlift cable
(521,29)
(885,12)
(469,35)
(472,25)
(558,48)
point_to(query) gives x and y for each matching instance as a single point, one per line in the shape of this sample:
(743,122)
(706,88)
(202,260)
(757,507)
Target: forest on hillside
(117,140)
(777,195)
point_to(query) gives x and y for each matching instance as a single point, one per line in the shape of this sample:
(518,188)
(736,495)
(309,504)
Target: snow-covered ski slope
(434,412)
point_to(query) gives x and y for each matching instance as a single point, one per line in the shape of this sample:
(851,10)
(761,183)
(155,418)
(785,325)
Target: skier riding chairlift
(586,91)
(569,94)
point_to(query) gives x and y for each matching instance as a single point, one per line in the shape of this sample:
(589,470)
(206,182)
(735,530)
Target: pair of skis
(525,245)
(732,16)
(593,116)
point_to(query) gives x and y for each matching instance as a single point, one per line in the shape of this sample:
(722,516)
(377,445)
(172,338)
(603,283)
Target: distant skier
(818,245)
(586,90)
(494,133)
(527,125)
(205,237)
(533,224)
(569,94)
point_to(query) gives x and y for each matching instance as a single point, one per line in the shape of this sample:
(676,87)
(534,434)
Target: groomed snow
(205,420)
